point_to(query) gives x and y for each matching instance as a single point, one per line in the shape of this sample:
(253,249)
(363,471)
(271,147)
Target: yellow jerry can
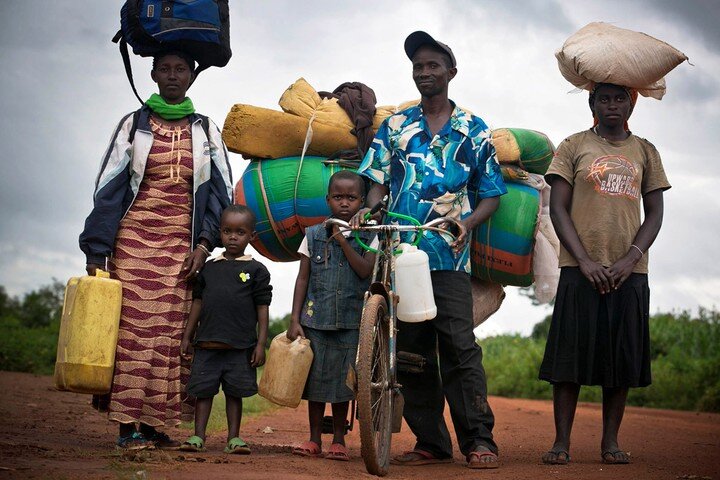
(88,334)
(286,370)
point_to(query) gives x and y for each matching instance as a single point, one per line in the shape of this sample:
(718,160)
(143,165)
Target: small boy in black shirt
(227,329)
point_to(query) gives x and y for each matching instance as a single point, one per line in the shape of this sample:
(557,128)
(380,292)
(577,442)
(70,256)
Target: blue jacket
(122,171)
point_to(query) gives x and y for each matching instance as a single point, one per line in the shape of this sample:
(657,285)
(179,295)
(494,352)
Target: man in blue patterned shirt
(434,160)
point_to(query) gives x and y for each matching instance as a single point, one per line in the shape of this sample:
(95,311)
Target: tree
(8,305)
(529,292)
(277,326)
(541,329)
(43,306)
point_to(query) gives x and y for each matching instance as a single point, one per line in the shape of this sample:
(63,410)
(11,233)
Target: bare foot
(556,457)
(617,457)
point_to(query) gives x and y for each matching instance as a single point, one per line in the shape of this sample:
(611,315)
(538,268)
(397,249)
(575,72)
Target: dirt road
(50,434)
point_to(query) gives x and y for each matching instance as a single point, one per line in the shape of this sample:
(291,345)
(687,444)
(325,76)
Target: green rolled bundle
(287,195)
(531,149)
(502,247)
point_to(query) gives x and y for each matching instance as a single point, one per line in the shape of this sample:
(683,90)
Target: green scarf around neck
(170,111)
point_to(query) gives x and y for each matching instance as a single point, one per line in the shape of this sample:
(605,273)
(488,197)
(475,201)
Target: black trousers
(458,376)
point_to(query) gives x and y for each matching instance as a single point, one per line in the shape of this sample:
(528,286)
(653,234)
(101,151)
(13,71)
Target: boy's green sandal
(237,446)
(193,444)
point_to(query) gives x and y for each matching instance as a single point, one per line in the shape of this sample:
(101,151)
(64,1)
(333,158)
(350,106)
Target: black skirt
(599,339)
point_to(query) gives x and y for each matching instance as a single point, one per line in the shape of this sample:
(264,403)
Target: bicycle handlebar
(431,225)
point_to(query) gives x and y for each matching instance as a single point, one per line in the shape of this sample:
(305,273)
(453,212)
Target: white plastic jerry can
(413,285)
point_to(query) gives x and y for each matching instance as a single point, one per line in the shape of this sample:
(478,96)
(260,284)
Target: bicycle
(379,402)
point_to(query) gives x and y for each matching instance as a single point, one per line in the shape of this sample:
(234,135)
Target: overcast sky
(63,90)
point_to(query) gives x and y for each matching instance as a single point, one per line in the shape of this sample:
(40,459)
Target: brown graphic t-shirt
(608,180)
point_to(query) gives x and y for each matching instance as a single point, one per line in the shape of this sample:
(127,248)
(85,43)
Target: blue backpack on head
(200,28)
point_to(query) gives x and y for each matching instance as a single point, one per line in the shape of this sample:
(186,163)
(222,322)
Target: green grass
(252,406)
(685,355)
(685,363)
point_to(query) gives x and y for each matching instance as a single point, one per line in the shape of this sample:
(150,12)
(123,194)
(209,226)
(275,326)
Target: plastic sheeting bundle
(287,195)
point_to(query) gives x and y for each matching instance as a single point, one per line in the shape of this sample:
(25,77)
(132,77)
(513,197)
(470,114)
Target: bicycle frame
(376,437)
(382,276)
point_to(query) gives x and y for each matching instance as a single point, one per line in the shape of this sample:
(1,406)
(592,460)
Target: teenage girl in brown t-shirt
(599,333)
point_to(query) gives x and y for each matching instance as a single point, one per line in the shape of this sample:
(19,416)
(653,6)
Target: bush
(684,355)
(25,349)
(511,364)
(541,329)
(30,329)
(43,306)
(277,326)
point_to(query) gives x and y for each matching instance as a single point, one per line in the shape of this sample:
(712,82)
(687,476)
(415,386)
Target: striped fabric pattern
(151,244)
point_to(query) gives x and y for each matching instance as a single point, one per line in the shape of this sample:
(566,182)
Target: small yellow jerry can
(286,370)
(88,334)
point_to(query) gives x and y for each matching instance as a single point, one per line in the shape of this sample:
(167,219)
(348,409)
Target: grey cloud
(670,253)
(37,24)
(700,17)
(519,14)
(65,89)
(691,84)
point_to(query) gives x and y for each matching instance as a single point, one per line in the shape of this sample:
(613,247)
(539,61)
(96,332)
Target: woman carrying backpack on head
(163,183)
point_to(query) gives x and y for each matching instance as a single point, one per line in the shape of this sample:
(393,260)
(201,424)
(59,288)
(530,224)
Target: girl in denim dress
(327,304)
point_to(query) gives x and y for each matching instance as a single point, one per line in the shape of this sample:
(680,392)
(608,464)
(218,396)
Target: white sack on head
(603,53)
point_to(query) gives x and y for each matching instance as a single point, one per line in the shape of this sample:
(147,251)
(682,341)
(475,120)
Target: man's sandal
(416,457)
(237,446)
(338,451)
(193,444)
(308,449)
(475,459)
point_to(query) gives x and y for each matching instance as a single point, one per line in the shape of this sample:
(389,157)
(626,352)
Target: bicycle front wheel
(374,397)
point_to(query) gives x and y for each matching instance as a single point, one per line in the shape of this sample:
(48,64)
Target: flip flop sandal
(238,446)
(338,451)
(193,444)
(308,449)
(558,460)
(416,457)
(611,458)
(478,463)
(135,441)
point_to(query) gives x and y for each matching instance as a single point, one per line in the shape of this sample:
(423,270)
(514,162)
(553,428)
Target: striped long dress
(152,241)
